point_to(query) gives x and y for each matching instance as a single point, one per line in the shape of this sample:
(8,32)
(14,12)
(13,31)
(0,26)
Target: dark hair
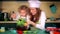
(36,16)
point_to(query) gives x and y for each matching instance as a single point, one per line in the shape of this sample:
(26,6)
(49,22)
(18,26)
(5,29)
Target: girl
(22,13)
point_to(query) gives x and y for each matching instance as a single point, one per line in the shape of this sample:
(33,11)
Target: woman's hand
(32,23)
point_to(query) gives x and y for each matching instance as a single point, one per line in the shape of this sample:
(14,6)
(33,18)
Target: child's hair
(23,7)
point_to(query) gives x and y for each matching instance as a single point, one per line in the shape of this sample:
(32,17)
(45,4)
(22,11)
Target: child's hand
(13,16)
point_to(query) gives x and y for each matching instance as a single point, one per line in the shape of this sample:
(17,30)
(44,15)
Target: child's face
(23,12)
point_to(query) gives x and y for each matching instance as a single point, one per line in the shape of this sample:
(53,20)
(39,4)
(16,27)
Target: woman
(37,16)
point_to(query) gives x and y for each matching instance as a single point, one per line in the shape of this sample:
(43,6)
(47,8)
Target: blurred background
(52,14)
(9,6)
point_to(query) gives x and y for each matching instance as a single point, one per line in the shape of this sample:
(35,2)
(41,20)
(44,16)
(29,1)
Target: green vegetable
(21,22)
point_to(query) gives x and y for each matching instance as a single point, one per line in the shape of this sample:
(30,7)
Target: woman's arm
(42,20)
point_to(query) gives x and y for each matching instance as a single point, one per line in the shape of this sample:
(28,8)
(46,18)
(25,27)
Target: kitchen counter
(12,24)
(53,21)
(7,21)
(15,21)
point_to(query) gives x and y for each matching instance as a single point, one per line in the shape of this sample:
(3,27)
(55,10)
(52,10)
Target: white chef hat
(35,4)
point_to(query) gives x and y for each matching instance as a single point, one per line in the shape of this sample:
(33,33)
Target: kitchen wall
(10,6)
(0,5)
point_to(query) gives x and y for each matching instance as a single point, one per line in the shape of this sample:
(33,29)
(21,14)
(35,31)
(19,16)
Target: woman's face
(23,12)
(33,11)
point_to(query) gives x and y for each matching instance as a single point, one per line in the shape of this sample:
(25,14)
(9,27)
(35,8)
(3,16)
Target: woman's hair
(36,16)
(23,7)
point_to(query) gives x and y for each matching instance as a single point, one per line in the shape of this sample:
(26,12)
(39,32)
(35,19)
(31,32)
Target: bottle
(5,16)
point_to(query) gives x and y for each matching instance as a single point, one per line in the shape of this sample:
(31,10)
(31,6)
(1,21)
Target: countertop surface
(15,21)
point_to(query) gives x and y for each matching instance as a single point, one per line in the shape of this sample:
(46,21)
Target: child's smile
(22,12)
